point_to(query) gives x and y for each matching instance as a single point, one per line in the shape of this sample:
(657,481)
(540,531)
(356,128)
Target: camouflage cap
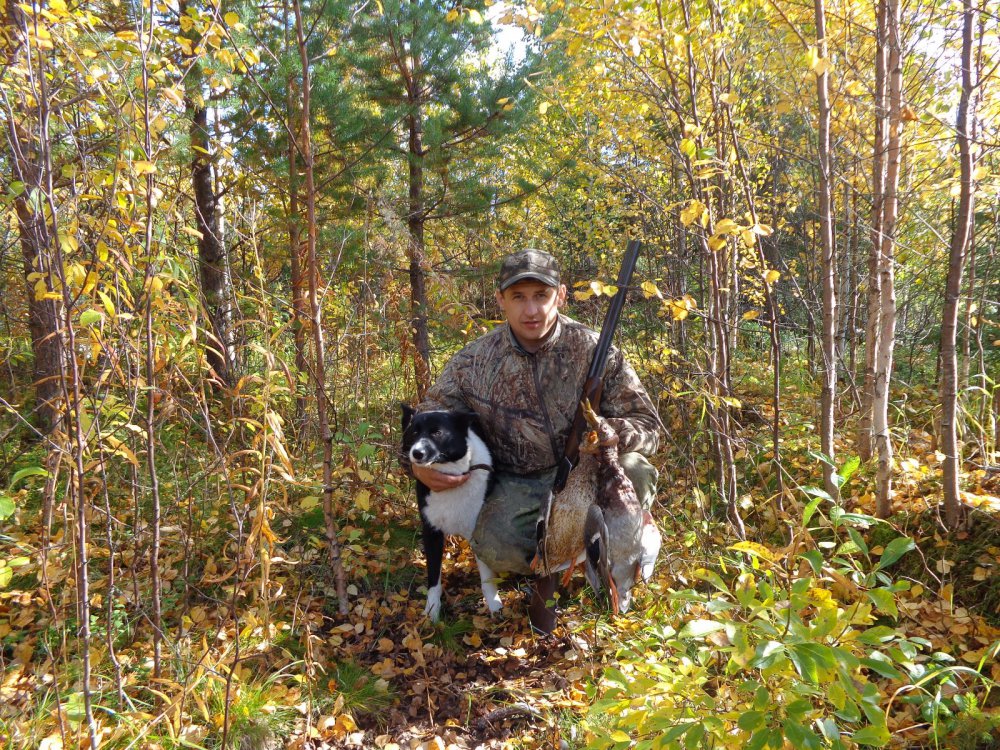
(536,265)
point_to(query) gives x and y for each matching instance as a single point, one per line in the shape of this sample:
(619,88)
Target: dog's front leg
(490,592)
(433,551)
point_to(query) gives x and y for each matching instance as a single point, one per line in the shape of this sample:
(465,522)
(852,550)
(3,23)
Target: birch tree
(960,238)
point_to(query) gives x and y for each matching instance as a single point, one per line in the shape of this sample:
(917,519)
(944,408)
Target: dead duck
(621,539)
(598,518)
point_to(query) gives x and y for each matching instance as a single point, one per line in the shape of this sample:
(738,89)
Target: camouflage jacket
(526,402)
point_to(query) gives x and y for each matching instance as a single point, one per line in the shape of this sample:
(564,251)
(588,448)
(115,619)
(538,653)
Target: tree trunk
(312,270)
(213,273)
(872,330)
(887,315)
(953,283)
(415,224)
(213,267)
(299,311)
(44,308)
(827,250)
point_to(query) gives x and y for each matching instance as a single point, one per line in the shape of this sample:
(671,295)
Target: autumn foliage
(236,236)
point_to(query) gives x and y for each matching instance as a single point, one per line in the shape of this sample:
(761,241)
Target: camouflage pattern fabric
(504,537)
(526,402)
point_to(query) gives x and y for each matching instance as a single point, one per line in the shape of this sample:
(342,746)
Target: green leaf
(811,660)
(875,736)
(30,471)
(895,550)
(700,628)
(5,575)
(750,721)
(817,492)
(858,540)
(882,668)
(6,507)
(801,737)
(90,317)
(883,599)
(810,510)
(767,655)
(847,470)
(877,635)
(815,559)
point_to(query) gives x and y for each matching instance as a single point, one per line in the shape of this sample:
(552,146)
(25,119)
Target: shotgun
(593,387)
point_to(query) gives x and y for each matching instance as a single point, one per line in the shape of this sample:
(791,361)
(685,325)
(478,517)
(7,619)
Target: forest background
(237,236)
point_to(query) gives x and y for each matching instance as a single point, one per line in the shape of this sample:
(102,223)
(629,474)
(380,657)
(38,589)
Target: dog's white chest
(455,511)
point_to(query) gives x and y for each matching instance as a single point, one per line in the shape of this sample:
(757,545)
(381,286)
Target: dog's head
(436,437)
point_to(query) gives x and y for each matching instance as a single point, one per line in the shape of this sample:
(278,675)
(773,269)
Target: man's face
(532,309)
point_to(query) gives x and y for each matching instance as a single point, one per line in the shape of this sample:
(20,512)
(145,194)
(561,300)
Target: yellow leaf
(762,229)
(90,282)
(68,243)
(475,16)
(729,98)
(751,314)
(688,147)
(192,232)
(363,499)
(308,503)
(649,289)
(543,108)
(679,309)
(818,65)
(771,276)
(753,548)
(695,210)
(143,167)
(726,226)
(716,242)
(231,18)
(451,15)
(109,306)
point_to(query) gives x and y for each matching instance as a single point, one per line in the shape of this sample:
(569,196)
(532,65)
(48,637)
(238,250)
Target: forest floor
(386,677)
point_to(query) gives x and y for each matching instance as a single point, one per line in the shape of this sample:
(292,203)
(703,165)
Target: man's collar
(546,345)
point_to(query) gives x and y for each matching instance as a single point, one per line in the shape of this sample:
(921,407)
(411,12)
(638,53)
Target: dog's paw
(433,607)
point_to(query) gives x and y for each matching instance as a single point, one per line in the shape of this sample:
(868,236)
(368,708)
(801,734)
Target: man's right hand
(435,481)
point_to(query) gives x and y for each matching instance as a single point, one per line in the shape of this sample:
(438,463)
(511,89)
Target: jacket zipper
(545,412)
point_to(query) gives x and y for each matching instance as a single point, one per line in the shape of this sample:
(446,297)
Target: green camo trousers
(504,538)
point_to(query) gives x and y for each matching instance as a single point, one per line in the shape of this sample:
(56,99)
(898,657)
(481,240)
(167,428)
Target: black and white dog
(450,442)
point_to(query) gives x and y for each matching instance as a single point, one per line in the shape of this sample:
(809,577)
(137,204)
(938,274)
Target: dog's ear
(408,412)
(470,420)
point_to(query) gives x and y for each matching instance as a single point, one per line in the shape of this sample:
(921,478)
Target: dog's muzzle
(423,452)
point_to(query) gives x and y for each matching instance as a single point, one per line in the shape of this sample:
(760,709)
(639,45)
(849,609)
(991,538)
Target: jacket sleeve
(628,408)
(447,393)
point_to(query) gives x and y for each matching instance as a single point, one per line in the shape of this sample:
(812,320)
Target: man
(523,379)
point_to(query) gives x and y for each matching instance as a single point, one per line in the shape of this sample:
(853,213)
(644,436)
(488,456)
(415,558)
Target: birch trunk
(873,328)
(953,284)
(887,313)
(828,256)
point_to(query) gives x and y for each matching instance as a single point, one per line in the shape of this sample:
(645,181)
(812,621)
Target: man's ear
(499,296)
